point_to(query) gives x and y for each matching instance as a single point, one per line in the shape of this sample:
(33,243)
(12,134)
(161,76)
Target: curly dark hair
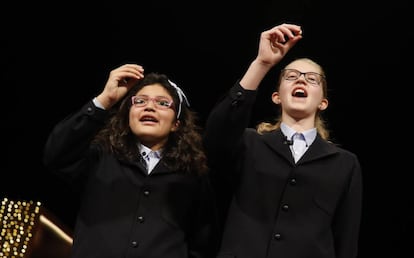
(183,151)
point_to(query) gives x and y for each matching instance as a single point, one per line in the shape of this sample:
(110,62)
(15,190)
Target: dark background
(58,55)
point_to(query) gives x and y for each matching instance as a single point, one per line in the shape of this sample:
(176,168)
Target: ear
(276,98)
(324,104)
(175,126)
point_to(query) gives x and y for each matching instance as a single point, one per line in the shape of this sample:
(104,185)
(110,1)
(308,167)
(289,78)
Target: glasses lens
(313,78)
(139,101)
(291,74)
(162,102)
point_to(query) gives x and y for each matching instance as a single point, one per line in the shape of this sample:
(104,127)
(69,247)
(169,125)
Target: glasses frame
(154,101)
(305,75)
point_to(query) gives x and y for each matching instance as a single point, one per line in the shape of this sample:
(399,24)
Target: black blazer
(311,209)
(124,212)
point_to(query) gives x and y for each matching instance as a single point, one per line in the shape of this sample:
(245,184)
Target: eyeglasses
(159,102)
(311,77)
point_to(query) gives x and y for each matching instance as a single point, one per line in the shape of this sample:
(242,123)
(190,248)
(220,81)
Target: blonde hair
(320,123)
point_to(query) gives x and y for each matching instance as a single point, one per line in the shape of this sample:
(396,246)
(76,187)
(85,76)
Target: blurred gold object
(29,230)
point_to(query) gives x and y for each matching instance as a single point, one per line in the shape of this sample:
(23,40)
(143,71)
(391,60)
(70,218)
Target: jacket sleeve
(68,145)
(226,123)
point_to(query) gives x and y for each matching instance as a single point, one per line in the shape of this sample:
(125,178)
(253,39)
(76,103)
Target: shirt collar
(309,135)
(145,151)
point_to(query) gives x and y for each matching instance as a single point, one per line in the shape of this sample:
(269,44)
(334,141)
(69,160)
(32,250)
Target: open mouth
(148,119)
(299,92)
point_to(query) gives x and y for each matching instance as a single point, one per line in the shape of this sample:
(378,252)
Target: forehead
(303,66)
(153,90)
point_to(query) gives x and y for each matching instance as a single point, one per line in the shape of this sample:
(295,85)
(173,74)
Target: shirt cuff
(97,103)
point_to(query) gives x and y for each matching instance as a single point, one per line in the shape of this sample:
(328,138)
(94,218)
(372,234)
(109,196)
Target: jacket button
(293,181)
(285,207)
(134,244)
(277,236)
(146,192)
(141,219)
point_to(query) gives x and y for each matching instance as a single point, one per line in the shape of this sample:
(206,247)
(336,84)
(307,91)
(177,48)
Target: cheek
(168,117)
(284,91)
(318,93)
(133,112)
(133,115)
(168,120)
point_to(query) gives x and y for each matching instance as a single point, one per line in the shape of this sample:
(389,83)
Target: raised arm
(273,46)
(119,82)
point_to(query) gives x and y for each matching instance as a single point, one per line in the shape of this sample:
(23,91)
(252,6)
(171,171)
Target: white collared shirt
(303,139)
(151,157)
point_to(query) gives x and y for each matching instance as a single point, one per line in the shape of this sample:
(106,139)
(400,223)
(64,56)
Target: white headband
(181,96)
